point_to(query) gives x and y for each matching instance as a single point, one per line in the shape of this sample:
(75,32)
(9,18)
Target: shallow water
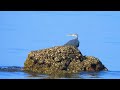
(14,72)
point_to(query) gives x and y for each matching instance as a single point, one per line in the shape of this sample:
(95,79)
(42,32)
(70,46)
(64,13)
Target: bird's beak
(69,35)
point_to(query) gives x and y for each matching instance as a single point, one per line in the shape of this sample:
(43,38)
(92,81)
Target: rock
(61,59)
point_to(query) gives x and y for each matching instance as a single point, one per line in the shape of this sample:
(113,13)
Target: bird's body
(73,42)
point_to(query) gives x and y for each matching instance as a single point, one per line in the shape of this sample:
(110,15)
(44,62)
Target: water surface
(14,72)
(24,31)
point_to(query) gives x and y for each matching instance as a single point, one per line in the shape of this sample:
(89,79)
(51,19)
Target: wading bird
(74,42)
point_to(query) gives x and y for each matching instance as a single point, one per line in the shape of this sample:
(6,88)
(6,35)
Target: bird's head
(74,35)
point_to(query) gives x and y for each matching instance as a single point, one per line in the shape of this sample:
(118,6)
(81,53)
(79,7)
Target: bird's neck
(76,37)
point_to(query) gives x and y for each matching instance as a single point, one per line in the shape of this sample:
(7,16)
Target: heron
(73,42)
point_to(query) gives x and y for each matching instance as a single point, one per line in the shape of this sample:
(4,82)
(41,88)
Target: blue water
(22,32)
(7,73)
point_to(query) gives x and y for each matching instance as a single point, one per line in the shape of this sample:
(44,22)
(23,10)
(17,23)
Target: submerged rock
(11,69)
(61,59)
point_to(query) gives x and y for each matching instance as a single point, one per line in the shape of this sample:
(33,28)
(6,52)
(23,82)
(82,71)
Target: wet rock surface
(60,60)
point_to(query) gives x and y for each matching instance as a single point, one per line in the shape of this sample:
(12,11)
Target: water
(22,32)
(14,72)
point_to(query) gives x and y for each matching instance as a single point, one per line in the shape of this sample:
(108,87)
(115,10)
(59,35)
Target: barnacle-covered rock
(61,59)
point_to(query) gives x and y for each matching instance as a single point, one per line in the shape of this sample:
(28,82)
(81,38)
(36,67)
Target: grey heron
(73,42)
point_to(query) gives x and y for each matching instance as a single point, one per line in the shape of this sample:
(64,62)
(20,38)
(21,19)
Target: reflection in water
(53,76)
(37,75)
(90,74)
(63,76)
(15,72)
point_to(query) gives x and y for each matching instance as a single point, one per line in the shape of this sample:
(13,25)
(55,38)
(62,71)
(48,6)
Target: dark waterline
(16,72)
